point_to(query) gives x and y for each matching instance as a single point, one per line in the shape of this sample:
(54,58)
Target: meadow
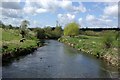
(102,44)
(11,40)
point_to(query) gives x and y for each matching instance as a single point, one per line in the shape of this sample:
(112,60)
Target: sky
(41,13)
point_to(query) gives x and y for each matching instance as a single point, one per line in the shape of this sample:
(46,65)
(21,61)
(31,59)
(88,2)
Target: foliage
(11,37)
(96,45)
(57,32)
(108,38)
(51,33)
(71,29)
(23,28)
(40,33)
(92,33)
(48,32)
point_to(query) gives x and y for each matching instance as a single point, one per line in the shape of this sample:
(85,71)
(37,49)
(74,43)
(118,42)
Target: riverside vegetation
(20,41)
(103,44)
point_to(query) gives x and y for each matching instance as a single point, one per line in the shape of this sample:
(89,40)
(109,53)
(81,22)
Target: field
(96,45)
(11,39)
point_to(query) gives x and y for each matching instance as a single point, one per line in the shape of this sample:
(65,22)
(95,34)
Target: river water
(56,60)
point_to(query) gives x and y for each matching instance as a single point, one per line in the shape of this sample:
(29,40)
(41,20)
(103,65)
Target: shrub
(108,39)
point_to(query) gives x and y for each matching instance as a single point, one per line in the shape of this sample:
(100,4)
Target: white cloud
(11,5)
(105,20)
(41,10)
(65,18)
(41,6)
(11,9)
(90,17)
(102,21)
(10,0)
(53,5)
(29,10)
(111,10)
(65,4)
(80,20)
(11,13)
(80,8)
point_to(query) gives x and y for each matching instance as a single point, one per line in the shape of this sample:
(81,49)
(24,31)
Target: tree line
(41,33)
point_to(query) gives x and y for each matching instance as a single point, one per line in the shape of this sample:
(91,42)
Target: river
(56,60)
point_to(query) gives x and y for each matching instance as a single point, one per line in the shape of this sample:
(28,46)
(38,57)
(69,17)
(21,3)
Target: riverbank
(93,45)
(12,47)
(21,49)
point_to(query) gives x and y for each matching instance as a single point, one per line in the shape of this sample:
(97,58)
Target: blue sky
(46,12)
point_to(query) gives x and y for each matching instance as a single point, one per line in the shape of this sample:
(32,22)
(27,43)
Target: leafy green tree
(23,28)
(71,29)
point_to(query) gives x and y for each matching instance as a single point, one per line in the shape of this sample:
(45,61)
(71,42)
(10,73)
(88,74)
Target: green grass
(25,44)
(11,39)
(95,44)
(10,34)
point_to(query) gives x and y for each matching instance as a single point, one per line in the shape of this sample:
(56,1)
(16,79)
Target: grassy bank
(94,45)
(11,47)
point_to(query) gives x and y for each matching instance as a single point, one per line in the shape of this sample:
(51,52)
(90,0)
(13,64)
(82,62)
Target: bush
(108,39)
(40,34)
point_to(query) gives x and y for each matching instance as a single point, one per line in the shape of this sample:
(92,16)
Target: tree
(48,32)
(71,29)
(23,27)
(40,33)
(57,32)
(10,26)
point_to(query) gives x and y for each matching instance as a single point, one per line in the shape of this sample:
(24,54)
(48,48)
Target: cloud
(11,13)
(10,0)
(90,17)
(30,10)
(93,21)
(11,9)
(111,10)
(65,18)
(11,5)
(80,8)
(65,4)
(41,10)
(41,6)
(80,20)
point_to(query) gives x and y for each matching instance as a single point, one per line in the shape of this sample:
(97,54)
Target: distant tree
(10,26)
(57,32)
(23,28)
(48,32)
(71,29)
(1,24)
(40,33)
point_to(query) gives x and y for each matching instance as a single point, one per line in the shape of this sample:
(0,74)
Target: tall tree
(23,28)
